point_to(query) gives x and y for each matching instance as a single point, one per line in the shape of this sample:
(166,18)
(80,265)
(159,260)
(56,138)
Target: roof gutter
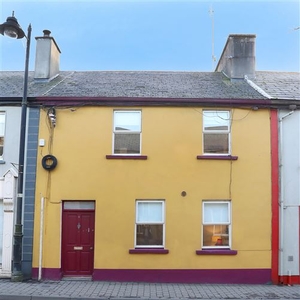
(143,101)
(46,101)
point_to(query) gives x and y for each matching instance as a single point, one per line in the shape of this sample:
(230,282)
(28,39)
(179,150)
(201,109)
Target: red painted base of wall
(248,276)
(289,280)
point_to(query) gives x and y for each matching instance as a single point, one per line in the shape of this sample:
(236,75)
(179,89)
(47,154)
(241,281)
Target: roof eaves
(148,101)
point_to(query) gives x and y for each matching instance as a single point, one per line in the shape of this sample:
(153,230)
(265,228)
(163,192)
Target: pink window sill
(216,252)
(148,251)
(141,157)
(217,157)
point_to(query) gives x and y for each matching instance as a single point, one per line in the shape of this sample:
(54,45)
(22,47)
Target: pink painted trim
(217,276)
(238,276)
(216,252)
(148,251)
(47,273)
(217,157)
(141,157)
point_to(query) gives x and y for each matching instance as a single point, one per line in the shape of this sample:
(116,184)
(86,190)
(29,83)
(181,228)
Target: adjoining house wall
(12,137)
(171,139)
(8,177)
(290,196)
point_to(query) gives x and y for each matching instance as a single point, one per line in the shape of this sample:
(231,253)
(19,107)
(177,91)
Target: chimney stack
(238,57)
(46,58)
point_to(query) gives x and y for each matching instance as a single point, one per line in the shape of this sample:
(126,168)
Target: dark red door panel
(78,242)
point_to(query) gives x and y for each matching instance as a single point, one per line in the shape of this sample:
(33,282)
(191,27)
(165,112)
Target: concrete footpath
(78,290)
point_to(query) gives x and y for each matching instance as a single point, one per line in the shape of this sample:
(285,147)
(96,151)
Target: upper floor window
(150,223)
(127,132)
(2,129)
(216,132)
(216,224)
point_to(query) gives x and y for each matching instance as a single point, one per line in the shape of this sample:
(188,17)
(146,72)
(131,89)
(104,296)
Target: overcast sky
(153,35)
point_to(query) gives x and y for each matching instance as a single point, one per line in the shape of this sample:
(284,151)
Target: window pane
(1,145)
(127,121)
(213,237)
(216,143)
(150,212)
(79,205)
(149,235)
(216,120)
(127,143)
(216,213)
(2,123)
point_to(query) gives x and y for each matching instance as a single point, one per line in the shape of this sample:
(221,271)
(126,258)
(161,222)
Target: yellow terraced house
(150,176)
(154,193)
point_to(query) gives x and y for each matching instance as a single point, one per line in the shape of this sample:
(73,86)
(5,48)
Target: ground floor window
(150,223)
(216,224)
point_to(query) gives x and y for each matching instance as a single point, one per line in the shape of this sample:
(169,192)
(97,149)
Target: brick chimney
(46,58)
(238,57)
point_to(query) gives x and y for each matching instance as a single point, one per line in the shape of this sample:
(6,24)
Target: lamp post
(11,28)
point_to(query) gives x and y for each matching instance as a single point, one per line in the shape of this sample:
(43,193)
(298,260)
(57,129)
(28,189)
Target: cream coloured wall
(171,138)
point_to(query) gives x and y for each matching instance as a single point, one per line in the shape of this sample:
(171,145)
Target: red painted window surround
(217,157)
(148,251)
(141,157)
(216,252)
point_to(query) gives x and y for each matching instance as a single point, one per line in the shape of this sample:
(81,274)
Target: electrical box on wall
(41,142)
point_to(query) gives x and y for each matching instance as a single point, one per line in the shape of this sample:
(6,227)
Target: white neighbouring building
(9,152)
(285,87)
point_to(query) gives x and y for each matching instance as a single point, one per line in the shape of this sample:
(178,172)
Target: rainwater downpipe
(281,204)
(41,239)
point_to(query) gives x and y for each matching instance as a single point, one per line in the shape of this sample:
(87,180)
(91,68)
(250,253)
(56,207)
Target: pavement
(79,290)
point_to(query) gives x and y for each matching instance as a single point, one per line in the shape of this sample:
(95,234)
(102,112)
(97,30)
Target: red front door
(77,242)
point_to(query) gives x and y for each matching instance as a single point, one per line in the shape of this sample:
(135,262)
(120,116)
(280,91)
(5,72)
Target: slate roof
(279,85)
(129,84)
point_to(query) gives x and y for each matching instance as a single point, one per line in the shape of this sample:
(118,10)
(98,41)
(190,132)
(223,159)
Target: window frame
(163,223)
(229,223)
(3,136)
(129,132)
(225,132)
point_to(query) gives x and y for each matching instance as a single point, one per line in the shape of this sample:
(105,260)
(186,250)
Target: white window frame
(3,114)
(225,132)
(150,223)
(229,223)
(125,132)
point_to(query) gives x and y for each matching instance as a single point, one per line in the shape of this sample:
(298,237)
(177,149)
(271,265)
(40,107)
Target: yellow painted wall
(171,138)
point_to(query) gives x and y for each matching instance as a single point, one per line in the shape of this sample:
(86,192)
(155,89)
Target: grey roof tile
(147,84)
(279,85)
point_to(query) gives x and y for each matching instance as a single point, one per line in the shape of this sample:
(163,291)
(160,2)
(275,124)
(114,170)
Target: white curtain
(150,212)
(216,213)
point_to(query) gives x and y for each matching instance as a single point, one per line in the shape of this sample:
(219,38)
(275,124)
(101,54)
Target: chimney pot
(46,32)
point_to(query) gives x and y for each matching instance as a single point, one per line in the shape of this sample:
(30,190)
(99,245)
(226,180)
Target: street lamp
(11,28)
